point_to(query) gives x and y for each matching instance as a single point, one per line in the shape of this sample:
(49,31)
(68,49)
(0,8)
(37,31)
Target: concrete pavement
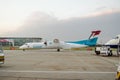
(47,64)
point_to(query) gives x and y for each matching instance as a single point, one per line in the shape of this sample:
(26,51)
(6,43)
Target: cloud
(49,27)
(101,11)
(101,8)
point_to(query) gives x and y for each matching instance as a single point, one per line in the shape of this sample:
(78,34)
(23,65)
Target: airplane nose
(107,43)
(22,47)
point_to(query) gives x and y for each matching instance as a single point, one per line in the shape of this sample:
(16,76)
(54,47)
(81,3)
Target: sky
(62,19)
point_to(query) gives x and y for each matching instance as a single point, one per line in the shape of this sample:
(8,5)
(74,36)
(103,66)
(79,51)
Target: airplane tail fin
(94,33)
(92,40)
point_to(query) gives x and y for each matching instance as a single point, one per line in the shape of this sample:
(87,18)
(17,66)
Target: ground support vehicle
(103,50)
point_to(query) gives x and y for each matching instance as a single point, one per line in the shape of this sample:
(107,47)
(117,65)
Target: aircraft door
(57,44)
(56,40)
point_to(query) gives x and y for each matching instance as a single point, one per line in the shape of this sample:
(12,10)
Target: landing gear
(23,49)
(58,50)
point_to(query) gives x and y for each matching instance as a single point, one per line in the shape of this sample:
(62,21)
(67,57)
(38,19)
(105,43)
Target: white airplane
(113,43)
(57,44)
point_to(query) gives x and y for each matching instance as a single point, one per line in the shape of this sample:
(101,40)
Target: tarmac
(48,64)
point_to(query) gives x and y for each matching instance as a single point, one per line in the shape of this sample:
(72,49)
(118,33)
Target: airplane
(57,44)
(113,43)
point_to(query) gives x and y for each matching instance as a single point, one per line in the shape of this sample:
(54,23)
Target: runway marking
(29,71)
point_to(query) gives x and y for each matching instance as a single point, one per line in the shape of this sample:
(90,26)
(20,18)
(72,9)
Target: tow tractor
(103,50)
(1,55)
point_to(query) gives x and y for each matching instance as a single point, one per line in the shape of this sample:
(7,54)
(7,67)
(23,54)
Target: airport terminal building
(18,41)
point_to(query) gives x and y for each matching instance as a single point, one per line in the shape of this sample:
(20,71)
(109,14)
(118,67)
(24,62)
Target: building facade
(18,41)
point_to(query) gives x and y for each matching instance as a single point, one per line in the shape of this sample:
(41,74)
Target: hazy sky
(64,19)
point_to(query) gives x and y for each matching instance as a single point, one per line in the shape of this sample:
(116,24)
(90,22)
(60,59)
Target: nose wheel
(58,50)
(23,49)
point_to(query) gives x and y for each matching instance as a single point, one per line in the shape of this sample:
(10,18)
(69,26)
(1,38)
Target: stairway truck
(103,50)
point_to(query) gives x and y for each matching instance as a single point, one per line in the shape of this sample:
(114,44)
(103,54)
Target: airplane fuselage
(113,43)
(57,44)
